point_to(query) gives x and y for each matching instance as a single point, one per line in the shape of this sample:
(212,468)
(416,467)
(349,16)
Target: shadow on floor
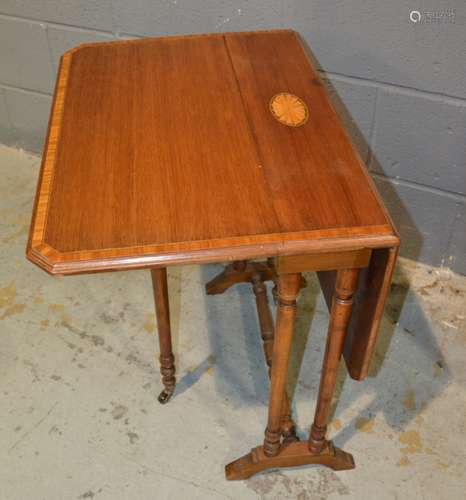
(246,382)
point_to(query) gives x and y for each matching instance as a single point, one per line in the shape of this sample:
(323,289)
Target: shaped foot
(291,454)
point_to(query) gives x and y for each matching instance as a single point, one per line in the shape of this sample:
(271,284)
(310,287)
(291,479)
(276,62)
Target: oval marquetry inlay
(289,109)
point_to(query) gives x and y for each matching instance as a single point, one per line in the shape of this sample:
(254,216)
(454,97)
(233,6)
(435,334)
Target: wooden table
(222,147)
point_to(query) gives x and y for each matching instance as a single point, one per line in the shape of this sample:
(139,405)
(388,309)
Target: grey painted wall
(400,86)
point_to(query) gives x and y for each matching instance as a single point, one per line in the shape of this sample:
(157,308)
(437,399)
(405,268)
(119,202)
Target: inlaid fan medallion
(289,109)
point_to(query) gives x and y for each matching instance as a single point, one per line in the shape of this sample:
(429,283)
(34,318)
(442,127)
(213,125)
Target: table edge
(55,262)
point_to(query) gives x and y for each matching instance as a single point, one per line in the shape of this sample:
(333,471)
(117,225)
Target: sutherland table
(223,147)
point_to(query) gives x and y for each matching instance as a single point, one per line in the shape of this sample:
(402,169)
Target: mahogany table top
(197,148)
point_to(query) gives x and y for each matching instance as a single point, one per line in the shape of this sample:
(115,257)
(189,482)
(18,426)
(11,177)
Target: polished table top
(184,149)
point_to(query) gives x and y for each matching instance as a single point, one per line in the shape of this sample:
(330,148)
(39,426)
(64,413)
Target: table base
(290,455)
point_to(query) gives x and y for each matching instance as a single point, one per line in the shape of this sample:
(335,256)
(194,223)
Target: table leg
(288,289)
(269,454)
(342,305)
(267,327)
(317,450)
(162,311)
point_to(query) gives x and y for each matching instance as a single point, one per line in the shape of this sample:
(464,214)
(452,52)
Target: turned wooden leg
(274,278)
(288,289)
(317,450)
(288,427)
(162,311)
(342,304)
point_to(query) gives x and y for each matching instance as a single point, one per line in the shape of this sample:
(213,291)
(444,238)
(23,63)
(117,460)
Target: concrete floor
(79,417)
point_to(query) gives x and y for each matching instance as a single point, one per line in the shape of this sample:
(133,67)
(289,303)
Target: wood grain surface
(164,151)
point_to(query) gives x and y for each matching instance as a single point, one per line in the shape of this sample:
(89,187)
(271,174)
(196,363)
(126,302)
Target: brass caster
(164,397)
